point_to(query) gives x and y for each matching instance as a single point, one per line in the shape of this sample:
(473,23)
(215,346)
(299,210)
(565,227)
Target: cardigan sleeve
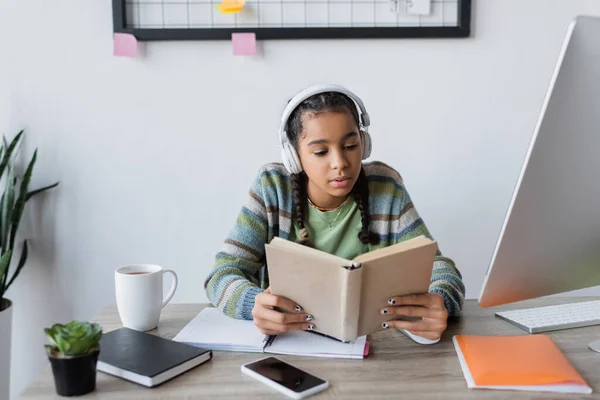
(446,279)
(233,283)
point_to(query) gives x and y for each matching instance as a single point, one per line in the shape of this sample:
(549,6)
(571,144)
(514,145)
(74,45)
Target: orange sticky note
(124,45)
(244,43)
(231,6)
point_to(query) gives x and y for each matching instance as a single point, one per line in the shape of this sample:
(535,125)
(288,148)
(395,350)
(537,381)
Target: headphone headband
(316,89)
(288,153)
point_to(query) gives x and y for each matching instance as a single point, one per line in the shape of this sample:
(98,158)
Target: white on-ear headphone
(288,153)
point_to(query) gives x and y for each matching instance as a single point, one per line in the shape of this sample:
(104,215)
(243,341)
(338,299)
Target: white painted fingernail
(311,327)
(309,317)
(385,325)
(384,311)
(392,301)
(298,308)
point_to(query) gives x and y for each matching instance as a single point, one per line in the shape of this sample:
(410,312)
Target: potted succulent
(15,193)
(73,354)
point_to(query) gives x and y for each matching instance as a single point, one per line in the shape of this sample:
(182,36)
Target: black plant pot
(75,376)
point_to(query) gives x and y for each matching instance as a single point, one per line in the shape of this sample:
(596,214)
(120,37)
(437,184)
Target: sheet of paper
(125,45)
(419,7)
(315,345)
(217,331)
(244,43)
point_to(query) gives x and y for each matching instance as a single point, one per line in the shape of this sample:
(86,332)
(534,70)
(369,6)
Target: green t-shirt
(334,232)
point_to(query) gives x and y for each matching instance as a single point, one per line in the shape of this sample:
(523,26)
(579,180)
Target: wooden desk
(396,368)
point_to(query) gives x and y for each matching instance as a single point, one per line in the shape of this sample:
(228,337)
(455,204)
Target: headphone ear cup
(366,139)
(290,159)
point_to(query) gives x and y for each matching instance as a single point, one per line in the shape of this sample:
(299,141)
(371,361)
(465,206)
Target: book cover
(345,296)
(531,363)
(146,359)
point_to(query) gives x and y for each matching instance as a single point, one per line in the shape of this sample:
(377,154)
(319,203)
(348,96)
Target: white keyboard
(553,318)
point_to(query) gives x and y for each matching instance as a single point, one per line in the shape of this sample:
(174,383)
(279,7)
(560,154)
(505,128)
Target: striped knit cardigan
(238,274)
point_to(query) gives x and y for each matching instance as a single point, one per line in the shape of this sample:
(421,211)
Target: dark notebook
(147,359)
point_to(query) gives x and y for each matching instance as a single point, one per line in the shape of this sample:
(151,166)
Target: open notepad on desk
(213,330)
(531,363)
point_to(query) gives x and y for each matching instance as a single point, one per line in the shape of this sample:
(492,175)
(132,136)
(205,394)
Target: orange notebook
(531,362)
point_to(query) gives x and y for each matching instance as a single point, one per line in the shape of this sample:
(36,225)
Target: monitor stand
(595,345)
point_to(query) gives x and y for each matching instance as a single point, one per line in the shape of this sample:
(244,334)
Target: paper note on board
(124,45)
(419,7)
(244,43)
(231,6)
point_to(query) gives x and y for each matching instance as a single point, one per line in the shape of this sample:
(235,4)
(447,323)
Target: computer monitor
(549,242)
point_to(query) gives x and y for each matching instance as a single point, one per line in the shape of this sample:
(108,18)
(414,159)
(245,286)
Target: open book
(530,362)
(213,330)
(345,296)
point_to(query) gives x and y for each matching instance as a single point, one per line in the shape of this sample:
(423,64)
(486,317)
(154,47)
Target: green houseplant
(73,354)
(12,204)
(15,194)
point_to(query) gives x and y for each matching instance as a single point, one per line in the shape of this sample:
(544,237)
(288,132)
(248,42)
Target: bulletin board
(149,20)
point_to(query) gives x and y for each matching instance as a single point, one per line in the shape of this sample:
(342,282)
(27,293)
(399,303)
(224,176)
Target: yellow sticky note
(231,6)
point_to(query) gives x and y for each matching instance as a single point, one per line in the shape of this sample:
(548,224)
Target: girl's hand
(276,314)
(429,307)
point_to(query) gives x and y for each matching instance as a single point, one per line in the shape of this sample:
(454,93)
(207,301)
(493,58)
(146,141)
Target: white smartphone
(285,378)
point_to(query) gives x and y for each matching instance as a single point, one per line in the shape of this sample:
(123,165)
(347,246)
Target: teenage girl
(323,195)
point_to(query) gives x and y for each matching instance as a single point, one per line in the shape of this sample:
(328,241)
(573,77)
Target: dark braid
(337,102)
(298,182)
(361,197)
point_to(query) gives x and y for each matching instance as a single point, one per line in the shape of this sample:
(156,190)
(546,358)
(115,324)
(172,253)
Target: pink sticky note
(124,45)
(244,43)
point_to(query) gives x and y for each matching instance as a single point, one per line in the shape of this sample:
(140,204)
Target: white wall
(155,155)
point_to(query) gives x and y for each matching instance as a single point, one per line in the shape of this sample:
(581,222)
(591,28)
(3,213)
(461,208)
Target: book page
(396,248)
(306,251)
(315,345)
(214,330)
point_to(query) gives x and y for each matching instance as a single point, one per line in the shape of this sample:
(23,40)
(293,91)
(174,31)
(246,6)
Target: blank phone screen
(285,374)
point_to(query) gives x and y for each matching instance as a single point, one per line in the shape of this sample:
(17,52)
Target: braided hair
(331,101)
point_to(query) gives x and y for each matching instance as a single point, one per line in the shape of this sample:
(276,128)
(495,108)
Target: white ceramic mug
(139,293)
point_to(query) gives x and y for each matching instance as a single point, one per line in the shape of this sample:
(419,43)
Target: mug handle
(173,287)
